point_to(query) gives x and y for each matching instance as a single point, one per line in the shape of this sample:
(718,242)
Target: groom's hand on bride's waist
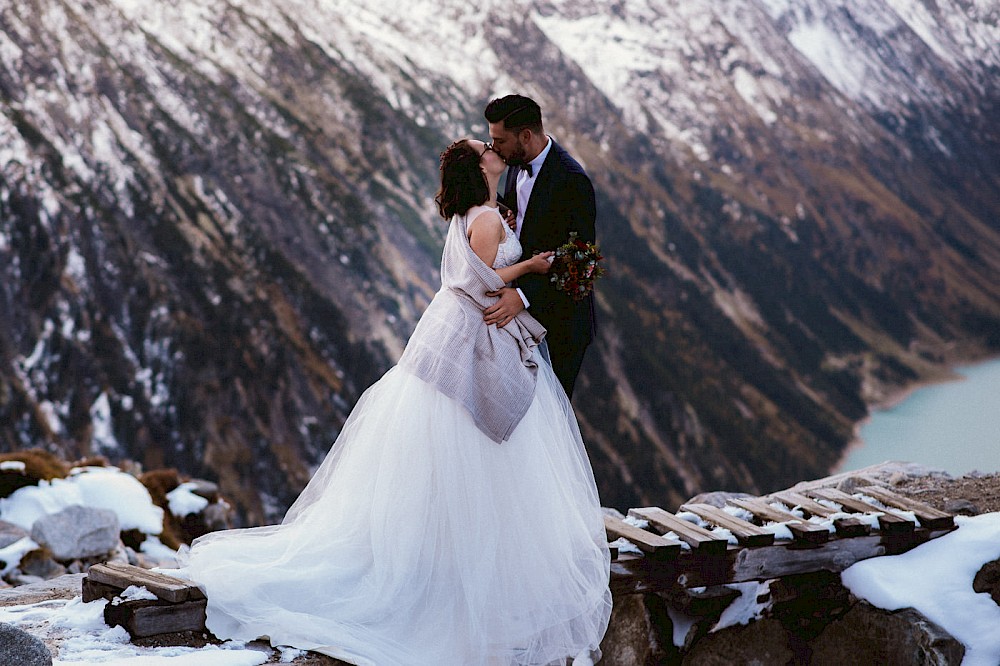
(505,309)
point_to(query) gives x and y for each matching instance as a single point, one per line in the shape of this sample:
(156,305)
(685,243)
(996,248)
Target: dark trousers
(566,361)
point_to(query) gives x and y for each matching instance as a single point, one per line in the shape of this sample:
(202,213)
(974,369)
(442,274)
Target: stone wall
(807,619)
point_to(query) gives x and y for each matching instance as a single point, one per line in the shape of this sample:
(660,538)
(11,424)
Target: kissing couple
(455,521)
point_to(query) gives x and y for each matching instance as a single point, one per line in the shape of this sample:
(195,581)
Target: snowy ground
(75,633)
(935,578)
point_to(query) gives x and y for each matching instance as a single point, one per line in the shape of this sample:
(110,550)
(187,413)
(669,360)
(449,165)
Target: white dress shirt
(526,183)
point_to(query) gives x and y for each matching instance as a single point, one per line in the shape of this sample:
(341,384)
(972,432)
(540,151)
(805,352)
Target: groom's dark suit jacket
(562,200)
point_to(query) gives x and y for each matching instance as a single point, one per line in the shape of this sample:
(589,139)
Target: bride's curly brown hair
(463,183)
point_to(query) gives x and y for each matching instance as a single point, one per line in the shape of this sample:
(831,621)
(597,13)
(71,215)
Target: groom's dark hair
(517,112)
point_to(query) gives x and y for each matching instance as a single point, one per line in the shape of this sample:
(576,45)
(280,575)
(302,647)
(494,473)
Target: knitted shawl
(489,370)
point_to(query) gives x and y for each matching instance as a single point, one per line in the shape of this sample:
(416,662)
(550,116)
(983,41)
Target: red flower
(576,267)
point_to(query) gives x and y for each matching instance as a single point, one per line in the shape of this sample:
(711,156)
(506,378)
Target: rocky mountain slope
(216,225)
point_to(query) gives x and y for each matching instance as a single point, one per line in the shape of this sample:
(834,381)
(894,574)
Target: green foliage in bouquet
(575,267)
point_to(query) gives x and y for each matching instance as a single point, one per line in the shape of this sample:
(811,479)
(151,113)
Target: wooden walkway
(812,527)
(781,534)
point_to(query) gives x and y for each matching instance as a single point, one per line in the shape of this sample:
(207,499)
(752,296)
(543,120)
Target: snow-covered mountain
(216,219)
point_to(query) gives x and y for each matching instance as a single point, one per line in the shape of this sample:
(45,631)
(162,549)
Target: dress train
(420,541)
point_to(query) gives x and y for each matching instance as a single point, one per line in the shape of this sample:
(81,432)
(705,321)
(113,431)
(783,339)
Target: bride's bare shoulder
(487,223)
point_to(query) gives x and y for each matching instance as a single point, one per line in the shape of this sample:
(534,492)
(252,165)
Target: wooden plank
(834,555)
(700,602)
(746,533)
(699,539)
(808,504)
(149,618)
(165,587)
(92,591)
(651,544)
(738,565)
(778,561)
(846,527)
(928,515)
(802,530)
(889,522)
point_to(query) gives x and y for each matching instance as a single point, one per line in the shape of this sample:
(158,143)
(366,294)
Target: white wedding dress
(422,541)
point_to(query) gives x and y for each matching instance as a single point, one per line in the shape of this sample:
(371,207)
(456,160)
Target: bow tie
(527,169)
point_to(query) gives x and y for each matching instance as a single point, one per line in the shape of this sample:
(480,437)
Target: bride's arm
(486,232)
(538,263)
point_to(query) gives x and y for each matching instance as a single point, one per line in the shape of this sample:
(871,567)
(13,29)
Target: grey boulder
(19,647)
(10,533)
(77,531)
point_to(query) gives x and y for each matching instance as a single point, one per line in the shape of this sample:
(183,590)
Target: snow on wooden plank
(746,533)
(801,529)
(927,515)
(739,565)
(651,544)
(163,586)
(699,539)
(889,522)
(846,527)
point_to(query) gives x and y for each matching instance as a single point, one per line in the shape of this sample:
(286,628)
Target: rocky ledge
(809,618)
(805,619)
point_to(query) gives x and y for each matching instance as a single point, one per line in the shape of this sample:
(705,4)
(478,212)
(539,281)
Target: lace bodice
(509,251)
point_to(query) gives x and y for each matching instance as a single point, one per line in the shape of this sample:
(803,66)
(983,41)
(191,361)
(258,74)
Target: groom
(551,196)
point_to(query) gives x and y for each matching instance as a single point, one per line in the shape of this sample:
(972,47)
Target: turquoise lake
(953,426)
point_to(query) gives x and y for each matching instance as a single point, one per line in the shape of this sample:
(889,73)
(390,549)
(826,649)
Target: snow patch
(98,487)
(288,654)
(753,94)
(779,530)
(103,437)
(83,639)
(753,600)
(166,556)
(625,546)
(134,593)
(10,556)
(51,413)
(184,502)
(835,60)
(682,624)
(936,579)
(641,523)
(36,354)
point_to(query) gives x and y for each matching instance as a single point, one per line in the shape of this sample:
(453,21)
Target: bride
(456,520)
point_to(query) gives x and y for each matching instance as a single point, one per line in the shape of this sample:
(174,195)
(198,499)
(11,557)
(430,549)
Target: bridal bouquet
(575,267)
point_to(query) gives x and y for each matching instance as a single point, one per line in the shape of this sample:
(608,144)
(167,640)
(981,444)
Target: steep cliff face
(201,270)
(216,225)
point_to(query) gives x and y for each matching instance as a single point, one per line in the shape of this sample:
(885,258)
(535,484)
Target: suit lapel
(510,187)
(541,193)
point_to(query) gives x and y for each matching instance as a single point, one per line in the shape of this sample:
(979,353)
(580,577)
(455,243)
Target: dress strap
(476,211)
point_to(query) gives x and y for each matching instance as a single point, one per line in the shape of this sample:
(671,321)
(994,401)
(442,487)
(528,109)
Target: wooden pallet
(686,551)
(179,606)
(873,521)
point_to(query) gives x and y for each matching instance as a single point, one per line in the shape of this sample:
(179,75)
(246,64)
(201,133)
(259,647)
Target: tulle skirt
(421,541)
